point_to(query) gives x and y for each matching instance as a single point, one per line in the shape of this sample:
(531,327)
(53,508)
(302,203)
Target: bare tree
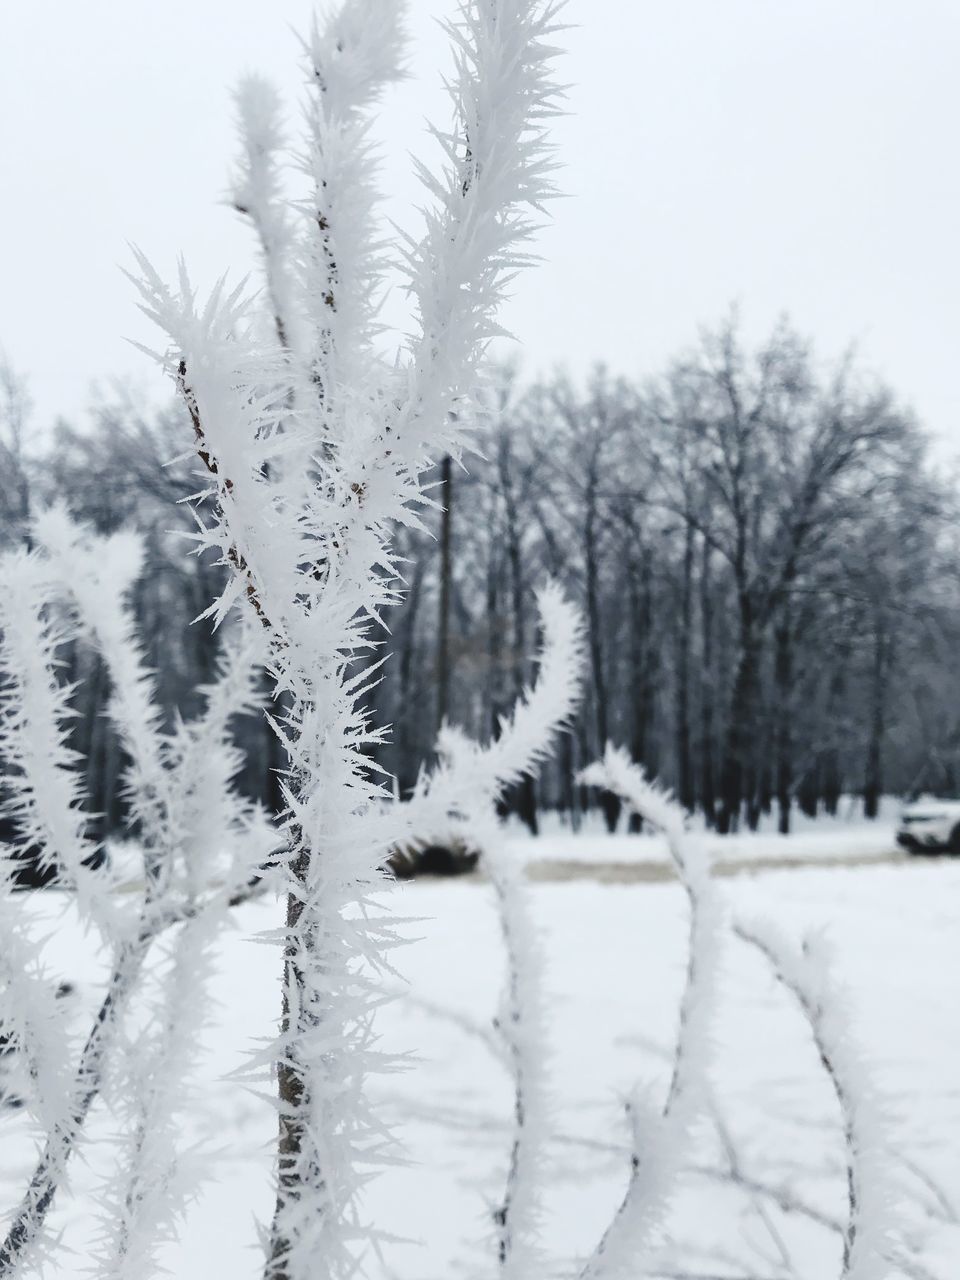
(15,409)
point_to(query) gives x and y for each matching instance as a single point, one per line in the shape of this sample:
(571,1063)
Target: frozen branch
(257,194)
(458,801)
(49,1172)
(667,1139)
(497,166)
(32,1026)
(29,1218)
(76,573)
(307,493)
(96,575)
(146,1191)
(469,779)
(522,1024)
(352,58)
(806,975)
(46,800)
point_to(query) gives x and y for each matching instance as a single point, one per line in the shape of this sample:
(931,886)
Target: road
(551,869)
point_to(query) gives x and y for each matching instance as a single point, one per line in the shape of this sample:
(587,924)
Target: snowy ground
(615,956)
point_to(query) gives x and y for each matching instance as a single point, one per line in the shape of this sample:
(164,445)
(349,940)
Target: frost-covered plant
(807,973)
(76,586)
(661,1140)
(315,448)
(462,790)
(457,801)
(662,1143)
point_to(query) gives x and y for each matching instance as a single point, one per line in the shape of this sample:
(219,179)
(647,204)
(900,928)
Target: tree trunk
(583,753)
(642,660)
(873,779)
(406,763)
(609,803)
(96,751)
(446,584)
(525,803)
(832,782)
(685,791)
(494,699)
(708,786)
(808,793)
(830,758)
(737,779)
(760,800)
(568,787)
(784,725)
(524,800)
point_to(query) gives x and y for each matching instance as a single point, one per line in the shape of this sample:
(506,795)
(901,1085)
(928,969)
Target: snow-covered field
(615,956)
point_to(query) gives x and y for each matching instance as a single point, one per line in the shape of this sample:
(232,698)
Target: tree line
(762,546)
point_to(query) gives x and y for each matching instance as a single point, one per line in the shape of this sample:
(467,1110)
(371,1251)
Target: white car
(929,825)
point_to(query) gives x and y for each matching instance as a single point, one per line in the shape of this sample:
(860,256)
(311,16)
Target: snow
(614,956)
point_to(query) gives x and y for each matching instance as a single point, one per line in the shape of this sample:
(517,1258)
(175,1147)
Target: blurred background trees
(763,549)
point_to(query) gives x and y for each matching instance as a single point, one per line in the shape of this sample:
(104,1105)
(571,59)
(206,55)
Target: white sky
(796,155)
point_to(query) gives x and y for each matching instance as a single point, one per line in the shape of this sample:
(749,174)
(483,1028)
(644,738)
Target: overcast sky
(791,155)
